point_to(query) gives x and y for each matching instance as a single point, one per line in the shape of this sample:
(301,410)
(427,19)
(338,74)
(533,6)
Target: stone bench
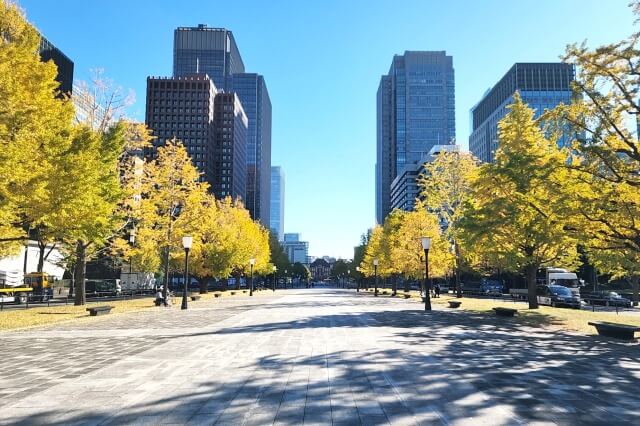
(619,331)
(407,296)
(233,293)
(505,312)
(216,295)
(454,304)
(196,297)
(99,310)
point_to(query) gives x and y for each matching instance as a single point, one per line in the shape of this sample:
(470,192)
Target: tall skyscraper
(254,96)
(277,202)
(212,126)
(541,85)
(183,107)
(213,51)
(415,111)
(204,50)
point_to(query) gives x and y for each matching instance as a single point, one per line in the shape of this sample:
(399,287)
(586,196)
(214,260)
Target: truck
(36,286)
(137,282)
(562,277)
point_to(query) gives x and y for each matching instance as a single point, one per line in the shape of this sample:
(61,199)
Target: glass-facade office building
(253,94)
(541,85)
(204,50)
(276,215)
(415,112)
(65,65)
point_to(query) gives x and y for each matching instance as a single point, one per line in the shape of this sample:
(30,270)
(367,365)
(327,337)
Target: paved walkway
(313,357)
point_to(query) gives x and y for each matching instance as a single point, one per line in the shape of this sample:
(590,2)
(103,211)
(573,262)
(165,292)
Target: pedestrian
(159,299)
(437,289)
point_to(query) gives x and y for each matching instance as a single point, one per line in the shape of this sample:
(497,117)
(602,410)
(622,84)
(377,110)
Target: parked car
(557,295)
(491,288)
(607,298)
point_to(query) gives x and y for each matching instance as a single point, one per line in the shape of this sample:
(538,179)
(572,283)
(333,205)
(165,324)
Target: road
(314,356)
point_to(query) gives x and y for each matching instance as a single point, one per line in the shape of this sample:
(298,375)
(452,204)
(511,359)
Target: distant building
(541,85)
(320,269)
(65,65)
(415,111)
(405,189)
(297,251)
(276,216)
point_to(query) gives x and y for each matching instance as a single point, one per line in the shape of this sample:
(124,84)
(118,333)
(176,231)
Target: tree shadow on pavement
(441,367)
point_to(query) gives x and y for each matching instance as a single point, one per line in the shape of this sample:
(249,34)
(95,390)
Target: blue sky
(322,62)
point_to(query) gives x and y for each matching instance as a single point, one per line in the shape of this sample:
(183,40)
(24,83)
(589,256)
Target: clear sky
(322,61)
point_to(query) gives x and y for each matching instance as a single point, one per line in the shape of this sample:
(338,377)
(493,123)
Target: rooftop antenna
(197,65)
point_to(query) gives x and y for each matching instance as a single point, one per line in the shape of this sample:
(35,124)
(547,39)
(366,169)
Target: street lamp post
(358,280)
(186,244)
(274,278)
(348,278)
(426,244)
(285,279)
(375,274)
(132,240)
(252,262)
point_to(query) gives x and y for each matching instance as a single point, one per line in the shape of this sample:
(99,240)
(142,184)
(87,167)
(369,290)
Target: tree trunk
(531,286)
(79,273)
(165,286)
(457,272)
(395,284)
(41,246)
(204,287)
(635,283)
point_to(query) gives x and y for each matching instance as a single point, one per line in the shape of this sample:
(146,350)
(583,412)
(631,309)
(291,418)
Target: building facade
(276,215)
(228,155)
(541,85)
(405,189)
(253,93)
(415,111)
(183,107)
(297,251)
(320,269)
(204,50)
(49,52)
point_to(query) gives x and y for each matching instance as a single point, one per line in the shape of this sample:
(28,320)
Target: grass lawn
(33,317)
(560,318)
(41,316)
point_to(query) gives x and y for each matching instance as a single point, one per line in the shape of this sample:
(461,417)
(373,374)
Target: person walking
(437,290)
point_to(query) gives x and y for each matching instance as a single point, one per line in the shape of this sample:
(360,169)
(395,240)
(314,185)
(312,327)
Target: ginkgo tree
(445,188)
(605,119)
(518,212)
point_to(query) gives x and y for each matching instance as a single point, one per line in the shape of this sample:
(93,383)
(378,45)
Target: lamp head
(252,261)
(375,262)
(426,243)
(187,241)
(274,268)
